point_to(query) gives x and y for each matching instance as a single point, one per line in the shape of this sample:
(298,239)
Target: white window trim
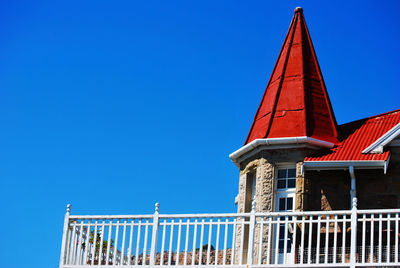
(282,166)
(286,191)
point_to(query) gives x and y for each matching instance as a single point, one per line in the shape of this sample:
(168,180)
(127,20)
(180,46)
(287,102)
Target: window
(286,178)
(285,204)
(253,188)
(251,182)
(285,188)
(285,191)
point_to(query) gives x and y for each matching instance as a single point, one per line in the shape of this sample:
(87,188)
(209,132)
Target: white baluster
(186,241)
(372,239)
(380,239)
(64,236)
(154,237)
(194,241)
(116,243)
(303,230)
(318,237)
(234,226)
(110,227)
(309,240)
(209,241)
(260,237)
(252,223)
(87,244)
(344,239)
(163,242)
(363,237)
(278,226)
(138,241)
(326,239)
(102,233)
(130,242)
(388,239)
(146,234)
(335,239)
(225,241)
(241,242)
(123,244)
(294,244)
(201,241)
(178,246)
(171,238)
(396,239)
(94,242)
(353,241)
(217,242)
(269,246)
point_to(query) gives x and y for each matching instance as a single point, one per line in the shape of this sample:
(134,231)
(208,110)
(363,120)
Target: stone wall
(263,165)
(303,188)
(264,173)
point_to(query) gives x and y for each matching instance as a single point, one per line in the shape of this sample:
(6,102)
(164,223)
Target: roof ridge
(370,117)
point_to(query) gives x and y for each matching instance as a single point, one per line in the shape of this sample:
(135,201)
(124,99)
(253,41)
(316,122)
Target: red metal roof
(295,102)
(358,135)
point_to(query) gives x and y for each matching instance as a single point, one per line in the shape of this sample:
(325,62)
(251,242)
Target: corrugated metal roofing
(358,135)
(295,102)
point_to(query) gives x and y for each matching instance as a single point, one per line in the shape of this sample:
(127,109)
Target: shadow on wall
(330,190)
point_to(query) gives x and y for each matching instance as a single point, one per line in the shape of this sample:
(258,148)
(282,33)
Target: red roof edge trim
(370,117)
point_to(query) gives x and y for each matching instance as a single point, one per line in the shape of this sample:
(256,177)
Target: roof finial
(298,10)
(156,207)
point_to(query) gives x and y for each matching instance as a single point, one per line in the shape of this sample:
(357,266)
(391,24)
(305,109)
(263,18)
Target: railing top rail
(205,215)
(150,216)
(258,214)
(377,211)
(114,217)
(304,213)
(233,215)
(215,215)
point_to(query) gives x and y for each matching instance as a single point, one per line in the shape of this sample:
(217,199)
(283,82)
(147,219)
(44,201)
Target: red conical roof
(295,102)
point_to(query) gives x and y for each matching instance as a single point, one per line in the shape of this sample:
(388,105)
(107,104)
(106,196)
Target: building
(294,137)
(301,175)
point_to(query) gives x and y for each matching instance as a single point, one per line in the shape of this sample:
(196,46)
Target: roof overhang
(346,164)
(277,143)
(382,141)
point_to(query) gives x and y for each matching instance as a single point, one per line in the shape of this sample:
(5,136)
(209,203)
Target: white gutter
(353,185)
(329,165)
(276,142)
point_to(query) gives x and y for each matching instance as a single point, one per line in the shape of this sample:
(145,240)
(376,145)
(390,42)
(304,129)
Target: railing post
(153,250)
(353,241)
(64,236)
(252,224)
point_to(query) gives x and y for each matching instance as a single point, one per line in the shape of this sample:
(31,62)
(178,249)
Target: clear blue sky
(112,106)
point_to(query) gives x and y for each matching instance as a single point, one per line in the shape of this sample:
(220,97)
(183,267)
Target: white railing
(350,238)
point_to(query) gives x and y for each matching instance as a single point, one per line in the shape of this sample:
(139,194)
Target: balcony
(349,238)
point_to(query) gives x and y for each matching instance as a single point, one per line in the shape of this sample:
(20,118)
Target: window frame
(286,189)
